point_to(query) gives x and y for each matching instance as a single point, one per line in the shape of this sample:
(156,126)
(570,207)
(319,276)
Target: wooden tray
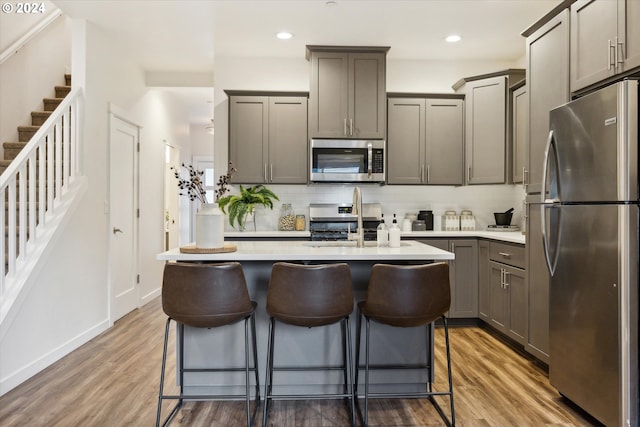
(194,250)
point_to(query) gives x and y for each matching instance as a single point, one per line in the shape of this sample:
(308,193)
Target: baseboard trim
(150,297)
(14,379)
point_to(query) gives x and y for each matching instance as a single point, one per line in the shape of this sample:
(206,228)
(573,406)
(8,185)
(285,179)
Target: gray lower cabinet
(484,281)
(547,87)
(463,275)
(508,299)
(268,139)
(347,97)
(425,142)
(538,287)
(605,40)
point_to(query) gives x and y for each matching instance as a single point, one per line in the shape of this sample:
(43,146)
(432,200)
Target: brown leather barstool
(207,296)
(406,296)
(310,296)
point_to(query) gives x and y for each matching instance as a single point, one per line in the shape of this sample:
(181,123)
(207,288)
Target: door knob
(116,230)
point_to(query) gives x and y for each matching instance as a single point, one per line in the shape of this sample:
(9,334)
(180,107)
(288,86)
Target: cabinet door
(519,132)
(288,161)
(593,41)
(248,138)
(464,279)
(538,287)
(367,95)
(629,33)
(484,281)
(405,144)
(328,105)
(516,289)
(444,142)
(499,298)
(547,87)
(486,130)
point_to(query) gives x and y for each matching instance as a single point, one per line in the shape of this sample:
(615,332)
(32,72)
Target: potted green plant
(242,205)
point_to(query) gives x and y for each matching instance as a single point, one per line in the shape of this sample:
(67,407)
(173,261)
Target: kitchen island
(296,346)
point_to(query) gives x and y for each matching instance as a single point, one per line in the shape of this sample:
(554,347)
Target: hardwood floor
(113,381)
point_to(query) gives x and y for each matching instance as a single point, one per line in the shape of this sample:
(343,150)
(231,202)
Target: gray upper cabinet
(488,125)
(485,130)
(425,140)
(605,40)
(268,138)
(520,105)
(547,60)
(347,97)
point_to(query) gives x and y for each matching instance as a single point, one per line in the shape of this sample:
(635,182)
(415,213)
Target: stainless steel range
(335,221)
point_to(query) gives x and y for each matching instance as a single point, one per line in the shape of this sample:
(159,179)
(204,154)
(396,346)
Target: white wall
(70,302)
(402,76)
(31,74)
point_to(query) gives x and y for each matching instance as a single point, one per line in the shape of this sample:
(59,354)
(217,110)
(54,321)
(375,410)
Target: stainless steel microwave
(347,160)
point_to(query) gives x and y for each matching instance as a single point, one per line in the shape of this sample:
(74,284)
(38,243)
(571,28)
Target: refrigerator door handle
(548,203)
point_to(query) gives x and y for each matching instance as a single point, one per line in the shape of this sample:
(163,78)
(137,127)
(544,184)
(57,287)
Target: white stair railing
(34,185)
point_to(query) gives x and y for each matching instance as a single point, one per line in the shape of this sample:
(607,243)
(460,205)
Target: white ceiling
(184,36)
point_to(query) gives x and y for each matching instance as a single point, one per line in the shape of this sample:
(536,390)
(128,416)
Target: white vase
(209,226)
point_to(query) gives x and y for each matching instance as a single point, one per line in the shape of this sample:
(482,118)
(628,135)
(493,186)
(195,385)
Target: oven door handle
(370,159)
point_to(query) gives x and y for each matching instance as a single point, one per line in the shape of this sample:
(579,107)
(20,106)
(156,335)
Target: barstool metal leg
(348,381)
(446,338)
(246,371)
(269,374)
(366,373)
(255,357)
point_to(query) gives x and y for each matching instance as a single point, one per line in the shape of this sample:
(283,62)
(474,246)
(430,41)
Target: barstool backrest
(205,295)
(407,296)
(310,295)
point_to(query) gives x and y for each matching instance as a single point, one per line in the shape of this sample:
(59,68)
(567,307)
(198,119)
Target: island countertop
(315,251)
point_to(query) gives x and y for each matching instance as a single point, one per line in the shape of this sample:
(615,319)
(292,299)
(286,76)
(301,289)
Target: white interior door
(123,202)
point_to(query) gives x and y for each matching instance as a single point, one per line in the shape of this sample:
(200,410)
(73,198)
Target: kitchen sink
(343,244)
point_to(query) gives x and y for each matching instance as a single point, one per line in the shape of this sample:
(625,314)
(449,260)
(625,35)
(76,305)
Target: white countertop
(314,251)
(504,236)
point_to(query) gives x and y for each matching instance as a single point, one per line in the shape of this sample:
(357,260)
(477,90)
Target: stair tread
(41,113)
(63,87)
(11,144)
(53,99)
(28,128)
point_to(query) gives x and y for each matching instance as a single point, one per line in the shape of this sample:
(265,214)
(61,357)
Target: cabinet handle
(265,173)
(422,172)
(345,126)
(611,57)
(506,279)
(505,254)
(619,52)
(428,173)
(351,127)
(524,209)
(525,178)
(469,174)
(270,172)
(502,278)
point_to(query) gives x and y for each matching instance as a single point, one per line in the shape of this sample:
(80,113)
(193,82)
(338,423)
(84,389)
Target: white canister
(209,227)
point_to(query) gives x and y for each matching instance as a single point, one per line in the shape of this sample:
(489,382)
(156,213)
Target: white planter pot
(209,226)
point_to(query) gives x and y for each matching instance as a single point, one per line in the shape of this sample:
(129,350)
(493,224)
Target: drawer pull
(505,254)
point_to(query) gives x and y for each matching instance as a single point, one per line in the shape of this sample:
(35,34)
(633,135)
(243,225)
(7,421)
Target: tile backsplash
(482,200)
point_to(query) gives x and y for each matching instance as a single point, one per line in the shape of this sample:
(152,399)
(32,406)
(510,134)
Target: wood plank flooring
(113,381)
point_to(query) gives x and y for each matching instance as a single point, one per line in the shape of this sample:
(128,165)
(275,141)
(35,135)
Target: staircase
(40,182)
(25,133)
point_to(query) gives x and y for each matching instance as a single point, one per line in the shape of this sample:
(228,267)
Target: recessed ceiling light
(284,35)
(453,38)
(331,3)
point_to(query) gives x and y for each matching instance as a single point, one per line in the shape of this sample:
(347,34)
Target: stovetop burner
(494,227)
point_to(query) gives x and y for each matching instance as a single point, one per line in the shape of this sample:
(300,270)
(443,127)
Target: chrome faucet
(356,209)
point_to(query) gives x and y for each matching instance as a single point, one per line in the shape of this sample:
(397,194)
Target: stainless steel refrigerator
(590,228)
